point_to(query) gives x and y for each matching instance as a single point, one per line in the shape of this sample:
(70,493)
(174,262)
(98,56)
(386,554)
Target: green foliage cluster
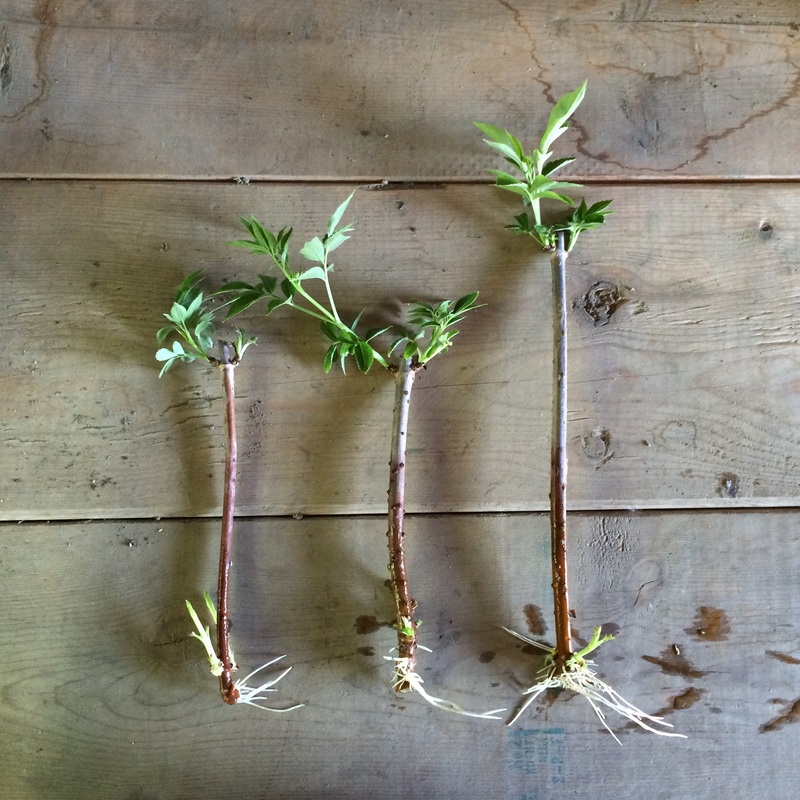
(435,323)
(430,331)
(534,182)
(192,321)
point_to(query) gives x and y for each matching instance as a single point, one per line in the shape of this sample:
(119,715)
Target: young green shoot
(564,667)
(430,332)
(291,290)
(534,181)
(191,329)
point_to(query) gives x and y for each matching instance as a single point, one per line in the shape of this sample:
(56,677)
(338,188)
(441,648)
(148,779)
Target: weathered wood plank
(355,88)
(102,691)
(687,397)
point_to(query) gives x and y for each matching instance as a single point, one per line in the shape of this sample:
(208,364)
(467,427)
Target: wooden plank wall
(122,128)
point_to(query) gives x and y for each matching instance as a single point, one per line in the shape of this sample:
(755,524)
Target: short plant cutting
(191,330)
(429,332)
(531,178)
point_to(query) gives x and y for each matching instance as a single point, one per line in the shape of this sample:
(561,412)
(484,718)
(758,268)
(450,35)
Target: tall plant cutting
(191,332)
(531,177)
(429,332)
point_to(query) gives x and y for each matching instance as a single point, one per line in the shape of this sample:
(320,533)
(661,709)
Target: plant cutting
(564,667)
(191,329)
(430,332)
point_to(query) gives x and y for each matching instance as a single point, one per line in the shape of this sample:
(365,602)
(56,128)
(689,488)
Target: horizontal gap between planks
(377,183)
(582,513)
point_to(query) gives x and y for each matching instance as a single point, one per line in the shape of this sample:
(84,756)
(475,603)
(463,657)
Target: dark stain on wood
(44,14)
(369,624)
(550,696)
(532,650)
(535,619)
(686,699)
(710,624)
(5,66)
(792,714)
(673,663)
(366,651)
(601,301)
(679,702)
(785,657)
(486,656)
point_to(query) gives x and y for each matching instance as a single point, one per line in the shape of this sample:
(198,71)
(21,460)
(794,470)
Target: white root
(583,680)
(252,696)
(405,676)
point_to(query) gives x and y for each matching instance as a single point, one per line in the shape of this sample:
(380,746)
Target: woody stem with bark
(404,604)
(558,464)
(230,694)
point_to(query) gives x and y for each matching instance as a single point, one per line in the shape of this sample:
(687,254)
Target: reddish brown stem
(230,694)
(404,604)
(558,464)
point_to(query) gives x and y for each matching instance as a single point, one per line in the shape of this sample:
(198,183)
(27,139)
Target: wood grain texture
(102,691)
(687,397)
(684,398)
(368,89)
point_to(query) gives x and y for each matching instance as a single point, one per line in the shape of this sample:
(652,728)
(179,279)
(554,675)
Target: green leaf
(314,250)
(550,168)
(314,272)
(243,301)
(347,335)
(503,179)
(411,349)
(261,235)
(189,290)
(337,215)
(364,355)
(465,303)
(167,366)
(396,343)
(248,244)
(499,136)
(336,239)
(288,288)
(330,355)
(177,314)
(212,609)
(194,306)
(171,356)
(162,333)
(330,330)
(560,197)
(277,302)
(193,614)
(234,286)
(509,153)
(596,208)
(406,627)
(561,112)
(268,283)
(282,239)
(373,332)
(204,333)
